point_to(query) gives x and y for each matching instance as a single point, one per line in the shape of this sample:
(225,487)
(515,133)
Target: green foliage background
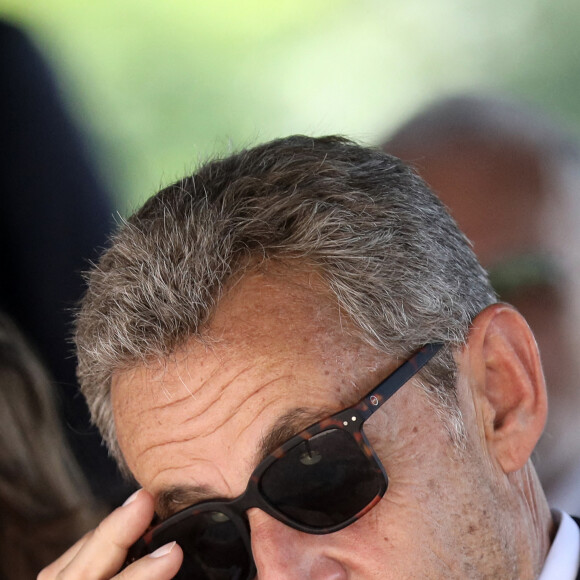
(160,85)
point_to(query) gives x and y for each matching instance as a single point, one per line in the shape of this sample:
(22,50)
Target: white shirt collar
(563,559)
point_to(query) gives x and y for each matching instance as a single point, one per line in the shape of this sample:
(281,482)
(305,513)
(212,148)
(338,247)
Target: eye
(310,457)
(219,517)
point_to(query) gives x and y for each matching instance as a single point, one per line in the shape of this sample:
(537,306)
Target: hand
(100,554)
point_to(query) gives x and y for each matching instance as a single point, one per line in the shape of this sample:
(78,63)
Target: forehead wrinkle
(221,392)
(162,406)
(157,373)
(155,446)
(229,416)
(168,469)
(216,426)
(191,394)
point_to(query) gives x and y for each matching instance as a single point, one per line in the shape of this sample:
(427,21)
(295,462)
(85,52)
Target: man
(510,177)
(242,346)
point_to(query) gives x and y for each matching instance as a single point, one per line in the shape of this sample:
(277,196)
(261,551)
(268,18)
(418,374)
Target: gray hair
(387,249)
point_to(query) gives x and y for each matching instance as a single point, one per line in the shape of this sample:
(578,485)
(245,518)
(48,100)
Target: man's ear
(509,384)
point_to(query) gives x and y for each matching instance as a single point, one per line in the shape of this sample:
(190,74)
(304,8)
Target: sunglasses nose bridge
(251,498)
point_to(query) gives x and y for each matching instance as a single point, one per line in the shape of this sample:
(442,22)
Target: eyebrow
(287,426)
(175,498)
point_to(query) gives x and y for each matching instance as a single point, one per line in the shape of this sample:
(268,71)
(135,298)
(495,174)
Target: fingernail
(163,551)
(131,498)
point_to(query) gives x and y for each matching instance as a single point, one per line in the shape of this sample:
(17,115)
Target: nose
(283,553)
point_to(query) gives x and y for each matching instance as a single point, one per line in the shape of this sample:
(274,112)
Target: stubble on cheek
(470,536)
(441,516)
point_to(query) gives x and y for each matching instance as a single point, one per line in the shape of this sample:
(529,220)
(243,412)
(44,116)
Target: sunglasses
(319,481)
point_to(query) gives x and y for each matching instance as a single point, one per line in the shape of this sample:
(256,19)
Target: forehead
(273,346)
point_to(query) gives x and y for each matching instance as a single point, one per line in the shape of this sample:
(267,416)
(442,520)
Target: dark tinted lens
(323,481)
(213,547)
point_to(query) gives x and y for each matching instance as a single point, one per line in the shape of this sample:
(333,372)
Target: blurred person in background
(45,503)
(510,177)
(55,213)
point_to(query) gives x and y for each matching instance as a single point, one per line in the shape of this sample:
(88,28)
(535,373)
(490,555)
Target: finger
(163,564)
(52,570)
(104,550)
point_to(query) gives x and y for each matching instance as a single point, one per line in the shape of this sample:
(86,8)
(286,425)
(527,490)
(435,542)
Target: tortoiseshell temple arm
(387,388)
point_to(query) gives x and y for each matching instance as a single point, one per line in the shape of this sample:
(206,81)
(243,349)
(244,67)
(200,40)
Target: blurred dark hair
(45,504)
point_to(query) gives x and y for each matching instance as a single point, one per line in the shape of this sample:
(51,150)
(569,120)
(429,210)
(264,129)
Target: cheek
(413,444)
(399,540)
(432,487)
(433,523)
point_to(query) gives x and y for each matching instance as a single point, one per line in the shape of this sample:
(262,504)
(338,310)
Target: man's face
(197,422)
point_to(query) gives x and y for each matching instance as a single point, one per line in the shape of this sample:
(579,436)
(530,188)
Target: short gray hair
(364,221)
